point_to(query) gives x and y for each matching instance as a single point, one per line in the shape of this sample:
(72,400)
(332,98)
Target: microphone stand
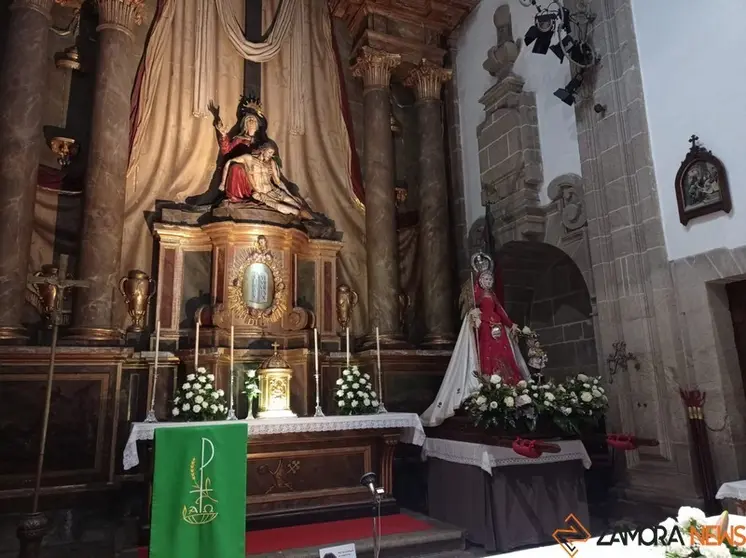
(377,498)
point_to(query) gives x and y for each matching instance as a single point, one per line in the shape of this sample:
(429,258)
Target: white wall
(694,77)
(542,74)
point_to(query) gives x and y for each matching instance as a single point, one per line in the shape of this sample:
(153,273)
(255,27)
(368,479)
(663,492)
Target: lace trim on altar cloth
(412,431)
(488,457)
(735,490)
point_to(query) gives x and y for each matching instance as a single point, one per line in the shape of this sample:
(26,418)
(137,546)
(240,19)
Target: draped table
(305,469)
(503,500)
(736,491)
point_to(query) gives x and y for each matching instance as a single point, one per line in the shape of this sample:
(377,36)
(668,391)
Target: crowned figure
(496,333)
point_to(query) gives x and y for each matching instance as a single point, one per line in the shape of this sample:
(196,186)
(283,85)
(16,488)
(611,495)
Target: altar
(304,470)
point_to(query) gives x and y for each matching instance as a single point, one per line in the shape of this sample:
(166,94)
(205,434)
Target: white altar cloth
(413,433)
(735,490)
(488,457)
(590,548)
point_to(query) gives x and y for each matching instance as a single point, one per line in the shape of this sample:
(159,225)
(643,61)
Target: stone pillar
(103,220)
(375,67)
(427,79)
(22,84)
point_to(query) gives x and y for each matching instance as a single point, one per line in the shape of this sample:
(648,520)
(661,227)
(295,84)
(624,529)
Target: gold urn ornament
(346,300)
(137,288)
(46,292)
(274,385)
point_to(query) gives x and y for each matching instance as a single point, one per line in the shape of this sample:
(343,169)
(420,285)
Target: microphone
(369,480)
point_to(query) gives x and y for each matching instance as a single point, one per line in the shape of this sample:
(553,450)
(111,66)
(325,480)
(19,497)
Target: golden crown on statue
(481,262)
(250,104)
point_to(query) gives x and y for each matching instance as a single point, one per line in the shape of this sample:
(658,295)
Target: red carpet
(324,534)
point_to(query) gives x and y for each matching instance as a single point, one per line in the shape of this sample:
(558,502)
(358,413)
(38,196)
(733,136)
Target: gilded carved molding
(427,80)
(44,7)
(120,15)
(375,67)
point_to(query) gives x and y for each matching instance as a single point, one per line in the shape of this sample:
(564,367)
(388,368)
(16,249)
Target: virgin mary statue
(493,350)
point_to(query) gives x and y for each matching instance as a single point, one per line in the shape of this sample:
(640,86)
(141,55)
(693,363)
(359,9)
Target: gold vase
(47,293)
(137,288)
(274,385)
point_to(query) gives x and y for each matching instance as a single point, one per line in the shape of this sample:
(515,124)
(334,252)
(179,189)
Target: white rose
(190,377)
(201,370)
(495,379)
(189,395)
(483,407)
(561,389)
(211,377)
(355,371)
(481,400)
(687,514)
(341,393)
(341,403)
(350,395)
(360,394)
(354,403)
(586,397)
(176,400)
(522,384)
(549,396)
(199,399)
(523,400)
(720,551)
(595,381)
(366,402)
(374,403)
(355,385)
(601,390)
(186,385)
(208,386)
(186,407)
(526,330)
(196,385)
(221,407)
(175,412)
(252,374)
(493,404)
(366,376)
(196,408)
(362,381)
(202,378)
(509,401)
(221,393)
(215,395)
(582,377)
(596,393)
(214,408)
(372,393)
(566,411)
(340,382)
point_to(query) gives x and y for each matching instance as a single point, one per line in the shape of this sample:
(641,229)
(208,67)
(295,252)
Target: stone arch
(546,290)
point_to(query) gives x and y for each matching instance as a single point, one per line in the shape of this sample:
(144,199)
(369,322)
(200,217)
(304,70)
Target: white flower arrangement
(251,384)
(354,393)
(497,404)
(197,399)
(698,538)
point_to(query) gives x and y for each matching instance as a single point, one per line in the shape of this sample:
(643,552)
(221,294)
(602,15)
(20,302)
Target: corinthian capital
(375,67)
(44,7)
(120,15)
(426,79)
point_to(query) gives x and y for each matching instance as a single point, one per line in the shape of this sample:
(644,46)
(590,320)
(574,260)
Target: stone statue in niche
(501,57)
(571,206)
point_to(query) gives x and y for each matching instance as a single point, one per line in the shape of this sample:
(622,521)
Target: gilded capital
(426,79)
(44,7)
(120,15)
(375,67)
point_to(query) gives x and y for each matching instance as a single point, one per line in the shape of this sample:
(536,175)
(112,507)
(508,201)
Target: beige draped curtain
(175,155)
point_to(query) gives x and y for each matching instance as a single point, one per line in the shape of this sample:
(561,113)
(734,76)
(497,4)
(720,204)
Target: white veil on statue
(459,381)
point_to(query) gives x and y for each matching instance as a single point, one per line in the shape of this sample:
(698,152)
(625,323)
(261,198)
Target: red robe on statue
(495,351)
(237,186)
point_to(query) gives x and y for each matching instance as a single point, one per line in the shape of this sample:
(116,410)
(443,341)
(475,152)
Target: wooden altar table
(303,470)
(503,500)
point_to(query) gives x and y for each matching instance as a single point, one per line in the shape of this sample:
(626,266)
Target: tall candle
(378,350)
(157,342)
(295,282)
(233,331)
(316,348)
(347,333)
(196,346)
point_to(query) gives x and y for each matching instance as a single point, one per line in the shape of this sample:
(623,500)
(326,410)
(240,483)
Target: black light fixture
(541,32)
(571,29)
(567,94)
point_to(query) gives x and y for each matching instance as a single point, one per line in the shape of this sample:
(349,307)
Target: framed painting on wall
(701,184)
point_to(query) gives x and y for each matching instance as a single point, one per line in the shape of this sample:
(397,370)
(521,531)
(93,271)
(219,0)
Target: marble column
(103,217)
(374,67)
(427,79)
(22,94)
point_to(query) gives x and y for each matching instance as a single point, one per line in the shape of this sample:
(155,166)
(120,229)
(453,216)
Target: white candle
(295,281)
(378,350)
(233,331)
(316,348)
(196,346)
(347,333)
(157,342)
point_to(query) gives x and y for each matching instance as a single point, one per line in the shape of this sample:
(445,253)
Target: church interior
(476,265)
